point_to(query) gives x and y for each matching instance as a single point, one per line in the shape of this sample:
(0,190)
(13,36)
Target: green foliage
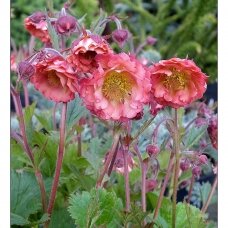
(25,198)
(97,207)
(186,215)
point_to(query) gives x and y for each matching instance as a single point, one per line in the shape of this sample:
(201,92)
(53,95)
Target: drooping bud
(213,131)
(25,70)
(155,107)
(37,17)
(66,24)
(196,171)
(199,122)
(204,111)
(203,159)
(151,184)
(151,40)
(184,165)
(152,150)
(120,36)
(138,116)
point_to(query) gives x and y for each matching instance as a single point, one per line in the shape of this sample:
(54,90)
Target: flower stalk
(59,160)
(177,166)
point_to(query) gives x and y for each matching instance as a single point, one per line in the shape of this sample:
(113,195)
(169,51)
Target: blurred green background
(182,27)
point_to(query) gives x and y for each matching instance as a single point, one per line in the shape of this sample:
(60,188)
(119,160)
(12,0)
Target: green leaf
(97,207)
(75,111)
(18,220)
(60,218)
(28,113)
(53,35)
(193,136)
(25,194)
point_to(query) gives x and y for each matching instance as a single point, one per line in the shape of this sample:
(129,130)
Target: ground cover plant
(110,125)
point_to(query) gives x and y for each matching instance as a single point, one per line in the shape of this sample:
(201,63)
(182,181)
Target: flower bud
(155,107)
(25,70)
(37,17)
(213,131)
(151,184)
(199,122)
(184,165)
(152,150)
(203,159)
(151,40)
(120,36)
(204,111)
(66,24)
(138,116)
(196,171)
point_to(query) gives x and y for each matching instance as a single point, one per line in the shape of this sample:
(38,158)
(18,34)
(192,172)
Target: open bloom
(118,89)
(36,25)
(84,51)
(55,78)
(177,82)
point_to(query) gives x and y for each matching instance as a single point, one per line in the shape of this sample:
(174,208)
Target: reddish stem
(26,94)
(126,177)
(79,138)
(204,208)
(108,160)
(54,117)
(59,160)
(190,189)
(165,183)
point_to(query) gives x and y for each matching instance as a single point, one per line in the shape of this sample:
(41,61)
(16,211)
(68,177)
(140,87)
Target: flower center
(176,80)
(117,85)
(87,57)
(53,79)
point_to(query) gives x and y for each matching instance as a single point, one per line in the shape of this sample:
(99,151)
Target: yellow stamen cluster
(117,86)
(176,81)
(53,79)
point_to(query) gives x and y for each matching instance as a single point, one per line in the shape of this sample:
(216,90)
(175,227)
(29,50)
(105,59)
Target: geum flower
(177,82)
(84,51)
(55,78)
(36,25)
(118,89)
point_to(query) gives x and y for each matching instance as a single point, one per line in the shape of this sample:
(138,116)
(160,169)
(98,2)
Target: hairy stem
(26,94)
(109,158)
(177,167)
(54,116)
(59,160)
(165,183)
(126,178)
(24,142)
(213,188)
(190,189)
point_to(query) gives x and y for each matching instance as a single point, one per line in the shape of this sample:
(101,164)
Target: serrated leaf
(75,111)
(25,195)
(97,207)
(61,219)
(193,136)
(18,220)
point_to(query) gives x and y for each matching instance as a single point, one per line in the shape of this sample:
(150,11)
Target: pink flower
(177,82)
(66,24)
(118,89)
(84,51)
(36,25)
(55,78)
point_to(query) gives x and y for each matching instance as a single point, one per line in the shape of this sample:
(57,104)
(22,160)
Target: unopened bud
(151,184)
(185,165)
(152,150)
(199,122)
(196,171)
(203,159)
(120,36)
(37,17)
(66,24)
(25,70)
(151,40)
